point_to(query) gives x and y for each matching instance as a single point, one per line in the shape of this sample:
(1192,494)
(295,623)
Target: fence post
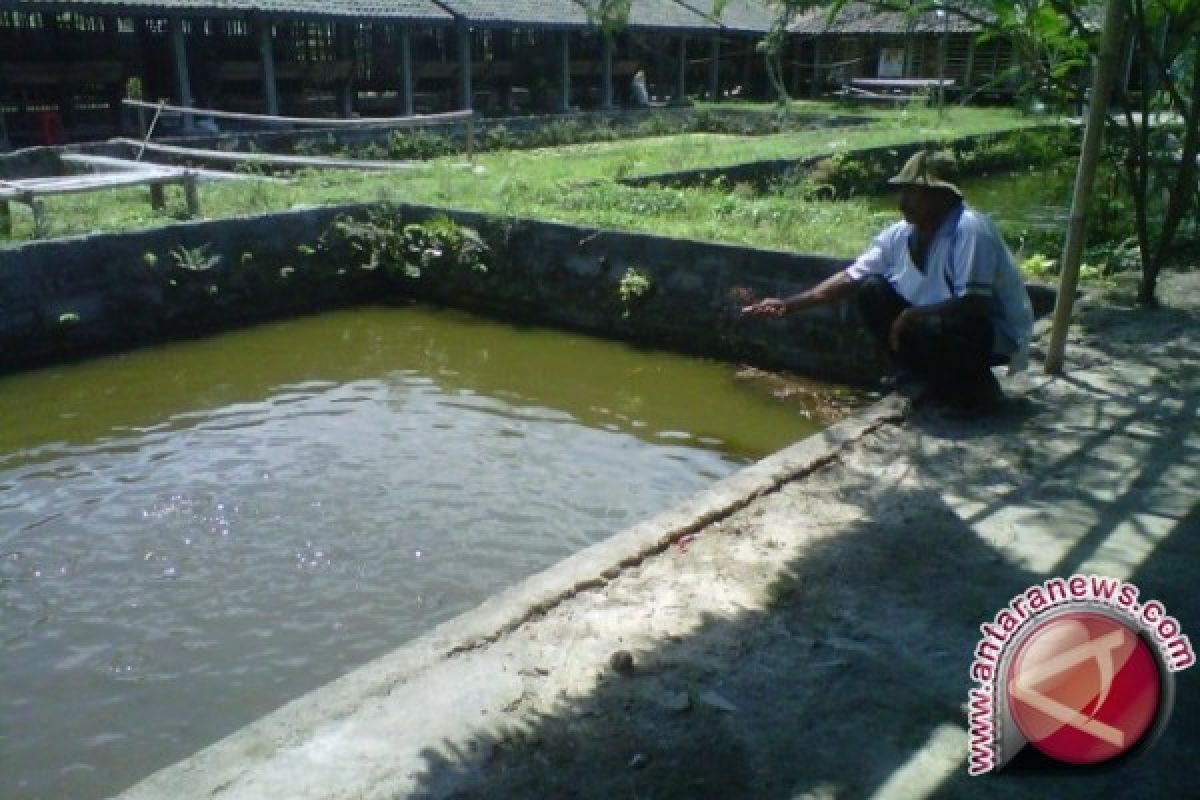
(41,225)
(191,195)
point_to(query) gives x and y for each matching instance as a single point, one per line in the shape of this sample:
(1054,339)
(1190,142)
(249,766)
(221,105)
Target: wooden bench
(30,191)
(905,85)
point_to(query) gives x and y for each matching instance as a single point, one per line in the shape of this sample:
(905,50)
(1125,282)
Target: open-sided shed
(864,43)
(67,63)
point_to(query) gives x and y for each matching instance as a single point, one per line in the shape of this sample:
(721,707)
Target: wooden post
(190,195)
(157,199)
(816,78)
(5,219)
(680,98)
(183,83)
(113,42)
(1106,70)
(406,72)
(941,61)
(969,72)
(266,56)
(714,70)
(344,47)
(606,74)
(564,100)
(41,226)
(464,67)
(471,139)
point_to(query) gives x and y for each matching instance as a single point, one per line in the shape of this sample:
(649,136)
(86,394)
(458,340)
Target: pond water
(193,534)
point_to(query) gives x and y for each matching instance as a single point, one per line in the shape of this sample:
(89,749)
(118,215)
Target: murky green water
(194,534)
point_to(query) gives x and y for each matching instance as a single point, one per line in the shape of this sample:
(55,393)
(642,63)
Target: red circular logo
(1083,687)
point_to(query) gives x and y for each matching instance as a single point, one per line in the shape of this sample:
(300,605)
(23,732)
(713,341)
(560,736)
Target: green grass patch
(578,183)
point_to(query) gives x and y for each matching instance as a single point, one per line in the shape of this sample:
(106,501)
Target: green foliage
(194,259)
(499,137)
(1038,265)
(418,143)
(408,251)
(610,16)
(633,288)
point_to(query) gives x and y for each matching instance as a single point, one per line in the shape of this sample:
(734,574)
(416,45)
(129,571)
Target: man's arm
(830,290)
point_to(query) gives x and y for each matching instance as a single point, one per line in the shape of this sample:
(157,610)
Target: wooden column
(681,76)
(113,42)
(183,82)
(564,100)
(406,72)
(464,68)
(969,71)
(816,76)
(266,59)
(344,47)
(190,195)
(606,77)
(714,69)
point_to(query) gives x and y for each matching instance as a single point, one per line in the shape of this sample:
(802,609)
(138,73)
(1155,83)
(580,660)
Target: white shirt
(966,257)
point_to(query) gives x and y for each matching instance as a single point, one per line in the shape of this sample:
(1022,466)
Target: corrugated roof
(860,18)
(738,16)
(559,14)
(664,15)
(417,11)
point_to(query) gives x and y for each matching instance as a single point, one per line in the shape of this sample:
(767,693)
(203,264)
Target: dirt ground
(816,644)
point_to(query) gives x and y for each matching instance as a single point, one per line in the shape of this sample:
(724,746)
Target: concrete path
(802,630)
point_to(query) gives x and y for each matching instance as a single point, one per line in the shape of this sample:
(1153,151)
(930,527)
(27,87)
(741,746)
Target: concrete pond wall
(82,295)
(873,164)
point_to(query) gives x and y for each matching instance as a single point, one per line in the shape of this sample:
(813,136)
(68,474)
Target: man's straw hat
(930,170)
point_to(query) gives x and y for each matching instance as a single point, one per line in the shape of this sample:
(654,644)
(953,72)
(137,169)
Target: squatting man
(939,291)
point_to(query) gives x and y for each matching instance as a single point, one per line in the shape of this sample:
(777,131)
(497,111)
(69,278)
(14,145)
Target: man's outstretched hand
(770,307)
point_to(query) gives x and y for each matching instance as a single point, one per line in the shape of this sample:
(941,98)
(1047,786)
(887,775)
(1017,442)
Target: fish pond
(193,534)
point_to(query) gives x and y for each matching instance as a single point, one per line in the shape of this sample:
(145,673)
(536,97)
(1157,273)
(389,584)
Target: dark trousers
(953,351)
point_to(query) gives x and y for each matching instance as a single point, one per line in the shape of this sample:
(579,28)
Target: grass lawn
(577,183)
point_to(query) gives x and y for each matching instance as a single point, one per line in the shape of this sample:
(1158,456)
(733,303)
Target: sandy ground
(816,644)
(812,641)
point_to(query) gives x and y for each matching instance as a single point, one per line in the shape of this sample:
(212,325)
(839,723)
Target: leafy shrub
(420,144)
(407,251)
(633,288)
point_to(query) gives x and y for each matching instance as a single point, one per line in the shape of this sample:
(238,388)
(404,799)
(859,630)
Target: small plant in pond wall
(406,251)
(633,289)
(194,259)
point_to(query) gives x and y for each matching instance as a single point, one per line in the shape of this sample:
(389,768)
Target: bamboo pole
(1068,282)
(269,159)
(316,122)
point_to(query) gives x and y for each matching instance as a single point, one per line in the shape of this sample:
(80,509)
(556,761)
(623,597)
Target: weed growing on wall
(407,251)
(633,289)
